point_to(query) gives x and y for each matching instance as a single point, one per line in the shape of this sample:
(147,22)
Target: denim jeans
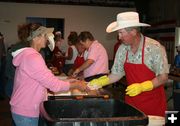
(24,120)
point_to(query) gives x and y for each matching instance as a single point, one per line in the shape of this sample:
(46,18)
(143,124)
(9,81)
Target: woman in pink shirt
(33,78)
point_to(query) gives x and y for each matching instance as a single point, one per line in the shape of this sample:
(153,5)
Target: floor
(5,116)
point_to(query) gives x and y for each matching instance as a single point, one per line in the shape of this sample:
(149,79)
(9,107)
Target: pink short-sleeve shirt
(97,53)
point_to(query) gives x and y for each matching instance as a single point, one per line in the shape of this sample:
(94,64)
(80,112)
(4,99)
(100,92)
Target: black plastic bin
(91,112)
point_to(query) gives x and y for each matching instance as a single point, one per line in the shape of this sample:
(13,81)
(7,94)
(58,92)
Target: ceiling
(106,3)
(140,5)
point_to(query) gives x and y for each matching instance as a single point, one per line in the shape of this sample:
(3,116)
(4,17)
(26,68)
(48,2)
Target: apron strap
(142,52)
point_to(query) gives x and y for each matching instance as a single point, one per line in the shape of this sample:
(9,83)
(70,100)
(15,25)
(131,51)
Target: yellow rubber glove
(99,83)
(137,88)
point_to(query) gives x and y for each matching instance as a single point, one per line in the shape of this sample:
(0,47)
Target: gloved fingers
(133,92)
(134,89)
(93,82)
(132,86)
(94,86)
(132,95)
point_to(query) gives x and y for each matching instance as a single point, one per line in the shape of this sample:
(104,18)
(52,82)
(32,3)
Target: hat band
(127,22)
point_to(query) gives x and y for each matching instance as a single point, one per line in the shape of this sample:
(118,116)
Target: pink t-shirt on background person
(97,53)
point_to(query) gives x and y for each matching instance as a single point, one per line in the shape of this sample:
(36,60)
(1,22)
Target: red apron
(78,61)
(150,102)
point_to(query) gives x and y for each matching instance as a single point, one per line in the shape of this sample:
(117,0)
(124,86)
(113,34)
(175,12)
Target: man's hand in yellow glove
(137,88)
(98,83)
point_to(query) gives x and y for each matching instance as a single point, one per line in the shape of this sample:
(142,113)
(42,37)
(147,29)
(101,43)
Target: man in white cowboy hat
(144,63)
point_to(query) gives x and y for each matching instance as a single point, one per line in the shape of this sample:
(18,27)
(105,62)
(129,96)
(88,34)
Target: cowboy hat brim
(114,26)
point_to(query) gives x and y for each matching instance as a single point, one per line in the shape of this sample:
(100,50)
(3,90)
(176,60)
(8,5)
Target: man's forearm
(159,80)
(114,78)
(85,65)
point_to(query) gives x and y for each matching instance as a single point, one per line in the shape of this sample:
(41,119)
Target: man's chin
(125,43)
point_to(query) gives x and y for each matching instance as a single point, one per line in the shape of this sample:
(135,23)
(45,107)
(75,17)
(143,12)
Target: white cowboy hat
(125,20)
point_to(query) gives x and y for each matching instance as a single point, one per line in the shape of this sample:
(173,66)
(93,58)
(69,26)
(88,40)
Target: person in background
(2,63)
(23,33)
(96,63)
(58,59)
(177,65)
(144,63)
(33,78)
(177,58)
(71,53)
(116,46)
(80,59)
(63,45)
